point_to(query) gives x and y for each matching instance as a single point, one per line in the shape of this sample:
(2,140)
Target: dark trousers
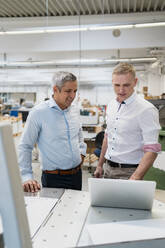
(62,181)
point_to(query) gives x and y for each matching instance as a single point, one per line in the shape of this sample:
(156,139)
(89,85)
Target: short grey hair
(124,68)
(61,77)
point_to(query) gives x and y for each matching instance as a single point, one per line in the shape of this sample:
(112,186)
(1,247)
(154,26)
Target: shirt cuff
(83,149)
(27,177)
(152,148)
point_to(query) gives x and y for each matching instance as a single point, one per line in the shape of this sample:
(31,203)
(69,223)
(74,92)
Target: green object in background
(162,139)
(157,175)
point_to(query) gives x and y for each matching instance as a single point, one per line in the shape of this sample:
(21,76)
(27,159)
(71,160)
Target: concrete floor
(159,194)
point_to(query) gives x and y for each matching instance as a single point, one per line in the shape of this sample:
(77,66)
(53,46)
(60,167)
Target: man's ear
(55,89)
(136,80)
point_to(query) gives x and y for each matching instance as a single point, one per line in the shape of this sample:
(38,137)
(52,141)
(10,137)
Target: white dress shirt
(130,126)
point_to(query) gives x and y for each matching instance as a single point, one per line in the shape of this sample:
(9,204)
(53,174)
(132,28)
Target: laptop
(119,193)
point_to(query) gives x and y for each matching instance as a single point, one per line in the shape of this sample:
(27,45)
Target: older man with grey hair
(54,126)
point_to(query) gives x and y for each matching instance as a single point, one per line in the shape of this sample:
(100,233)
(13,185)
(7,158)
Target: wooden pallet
(90,158)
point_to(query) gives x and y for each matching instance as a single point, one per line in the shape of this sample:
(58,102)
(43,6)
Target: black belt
(114,164)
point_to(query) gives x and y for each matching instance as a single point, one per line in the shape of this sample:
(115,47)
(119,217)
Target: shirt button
(112,148)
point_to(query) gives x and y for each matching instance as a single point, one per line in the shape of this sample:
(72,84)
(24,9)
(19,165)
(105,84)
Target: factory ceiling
(47,52)
(39,8)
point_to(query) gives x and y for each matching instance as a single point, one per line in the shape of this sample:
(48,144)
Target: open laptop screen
(120,193)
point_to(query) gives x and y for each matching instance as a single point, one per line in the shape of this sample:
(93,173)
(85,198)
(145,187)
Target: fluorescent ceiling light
(138,60)
(112,27)
(76,61)
(148,25)
(128,26)
(23,32)
(66,30)
(45,30)
(68,61)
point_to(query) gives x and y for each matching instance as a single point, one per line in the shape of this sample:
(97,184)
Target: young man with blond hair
(130,143)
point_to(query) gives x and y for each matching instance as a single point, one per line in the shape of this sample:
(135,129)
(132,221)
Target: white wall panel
(154,84)
(97,95)
(91,40)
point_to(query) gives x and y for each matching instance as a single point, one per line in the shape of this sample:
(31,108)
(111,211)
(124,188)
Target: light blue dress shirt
(58,134)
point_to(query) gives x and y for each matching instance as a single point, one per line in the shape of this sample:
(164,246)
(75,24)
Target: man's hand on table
(98,172)
(31,186)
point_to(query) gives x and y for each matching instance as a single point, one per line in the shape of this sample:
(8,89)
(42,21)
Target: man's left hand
(133,177)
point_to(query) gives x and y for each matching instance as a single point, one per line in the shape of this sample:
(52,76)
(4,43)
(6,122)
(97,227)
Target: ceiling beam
(8,9)
(81,7)
(121,6)
(63,7)
(22,22)
(5,12)
(141,5)
(87,5)
(30,8)
(101,3)
(76,8)
(41,6)
(94,6)
(128,6)
(156,4)
(162,6)
(149,5)
(51,8)
(69,8)
(55,8)
(114,7)
(20,7)
(108,7)
(34,7)
(135,3)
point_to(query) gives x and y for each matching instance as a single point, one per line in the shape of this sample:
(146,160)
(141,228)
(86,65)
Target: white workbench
(68,222)
(67,225)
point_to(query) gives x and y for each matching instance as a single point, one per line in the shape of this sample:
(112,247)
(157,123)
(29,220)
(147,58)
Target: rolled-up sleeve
(149,124)
(28,139)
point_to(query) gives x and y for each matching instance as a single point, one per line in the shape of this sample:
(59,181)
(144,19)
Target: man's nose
(121,89)
(72,95)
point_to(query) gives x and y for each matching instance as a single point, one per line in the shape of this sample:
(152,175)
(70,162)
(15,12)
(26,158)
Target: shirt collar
(52,104)
(129,99)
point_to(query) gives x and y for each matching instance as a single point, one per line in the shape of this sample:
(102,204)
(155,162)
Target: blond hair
(124,68)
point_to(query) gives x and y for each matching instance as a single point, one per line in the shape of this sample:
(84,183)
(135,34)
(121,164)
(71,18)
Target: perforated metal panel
(98,215)
(64,226)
